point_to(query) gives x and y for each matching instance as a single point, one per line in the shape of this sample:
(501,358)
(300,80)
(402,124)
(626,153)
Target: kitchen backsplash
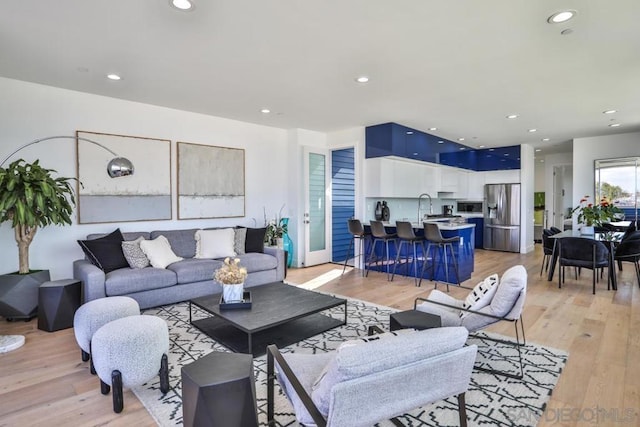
(406,209)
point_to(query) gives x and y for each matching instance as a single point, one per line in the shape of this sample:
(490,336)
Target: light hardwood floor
(46,383)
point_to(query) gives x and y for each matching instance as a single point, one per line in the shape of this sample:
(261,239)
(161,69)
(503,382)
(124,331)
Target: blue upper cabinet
(392,139)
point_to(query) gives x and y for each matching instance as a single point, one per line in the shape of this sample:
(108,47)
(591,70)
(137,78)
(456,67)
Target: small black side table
(58,301)
(219,390)
(415,319)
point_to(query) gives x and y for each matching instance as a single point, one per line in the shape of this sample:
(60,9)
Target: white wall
(30,111)
(587,150)
(527,172)
(550,162)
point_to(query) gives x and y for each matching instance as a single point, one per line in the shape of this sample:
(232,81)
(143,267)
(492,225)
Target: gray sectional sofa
(180,281)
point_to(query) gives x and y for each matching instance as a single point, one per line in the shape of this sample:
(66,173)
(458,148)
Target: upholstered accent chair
(583,253)
(362,383)
(501,300)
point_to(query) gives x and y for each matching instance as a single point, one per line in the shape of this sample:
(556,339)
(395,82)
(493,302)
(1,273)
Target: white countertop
(443,224)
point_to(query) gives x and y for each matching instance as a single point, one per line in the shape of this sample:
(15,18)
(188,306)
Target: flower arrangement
(231,273)
(591,214)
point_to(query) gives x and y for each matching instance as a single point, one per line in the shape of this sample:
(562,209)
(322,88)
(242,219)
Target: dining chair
(583,253)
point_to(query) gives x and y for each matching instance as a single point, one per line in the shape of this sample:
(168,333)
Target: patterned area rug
(491,399)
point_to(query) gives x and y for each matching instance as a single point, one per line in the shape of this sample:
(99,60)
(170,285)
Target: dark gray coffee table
(280,314)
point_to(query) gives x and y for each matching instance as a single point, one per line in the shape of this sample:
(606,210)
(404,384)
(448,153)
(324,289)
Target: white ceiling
(460,66)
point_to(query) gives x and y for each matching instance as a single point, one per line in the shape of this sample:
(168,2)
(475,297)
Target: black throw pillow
(105,252)
(255,240)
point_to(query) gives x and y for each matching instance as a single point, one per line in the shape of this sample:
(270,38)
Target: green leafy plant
(591,214)
(30,197)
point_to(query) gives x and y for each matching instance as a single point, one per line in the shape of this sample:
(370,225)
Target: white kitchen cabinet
(449,180)
(379,177)
(502,176)
(475,186)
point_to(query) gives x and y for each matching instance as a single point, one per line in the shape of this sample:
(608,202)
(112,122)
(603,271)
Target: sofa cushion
(183,242)
(105,252)
(254,261)
(355,361)
(125,281)
(194,270)
(512,283)
(128,235)
(240,238)
(255,240)
(215,243)
(159,252)
(134,254)
(481,295)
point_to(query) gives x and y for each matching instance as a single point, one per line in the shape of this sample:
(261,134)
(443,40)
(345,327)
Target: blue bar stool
(434,237)
(380,235)
(408,237)
(357,232)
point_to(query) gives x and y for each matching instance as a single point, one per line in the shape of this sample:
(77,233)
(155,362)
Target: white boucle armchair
(362,383)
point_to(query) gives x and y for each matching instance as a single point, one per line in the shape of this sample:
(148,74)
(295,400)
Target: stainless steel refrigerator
(502,217)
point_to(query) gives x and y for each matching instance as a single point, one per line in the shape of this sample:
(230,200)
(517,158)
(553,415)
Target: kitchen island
(463,251)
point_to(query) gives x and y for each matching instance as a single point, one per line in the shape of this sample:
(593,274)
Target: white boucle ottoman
(130,351)
(96,313)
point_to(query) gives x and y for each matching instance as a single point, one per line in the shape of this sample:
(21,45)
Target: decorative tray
(245,303)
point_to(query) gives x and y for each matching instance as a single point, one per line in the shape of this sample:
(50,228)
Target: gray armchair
(363,383)
(503,303)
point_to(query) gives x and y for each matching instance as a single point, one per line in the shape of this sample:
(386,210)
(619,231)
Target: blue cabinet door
(479,222)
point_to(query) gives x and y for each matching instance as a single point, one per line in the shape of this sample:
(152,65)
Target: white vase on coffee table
(232,293)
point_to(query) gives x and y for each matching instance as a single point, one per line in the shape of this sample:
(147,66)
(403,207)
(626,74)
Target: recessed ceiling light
(181,4)
(433,128)
(512,116)
(362,79)
(614,125)
(460,139)
(462,148)
(491,149)
(114,77)
(265,111)
(440,142)
(415,154)
(609,111)
(538,150)
(545,139)
(541,160)
(533,130)
(562,16)
(506,154)
(480,146)
(409,132)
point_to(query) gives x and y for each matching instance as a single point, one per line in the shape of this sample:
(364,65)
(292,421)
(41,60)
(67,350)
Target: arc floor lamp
(117,167)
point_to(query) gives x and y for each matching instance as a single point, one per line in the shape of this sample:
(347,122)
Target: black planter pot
(19,294)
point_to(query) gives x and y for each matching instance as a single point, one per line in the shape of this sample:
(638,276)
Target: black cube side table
(58,301)
(219,390)
(415,319)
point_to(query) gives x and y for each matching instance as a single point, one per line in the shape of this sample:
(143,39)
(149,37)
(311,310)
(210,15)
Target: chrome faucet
(420,205)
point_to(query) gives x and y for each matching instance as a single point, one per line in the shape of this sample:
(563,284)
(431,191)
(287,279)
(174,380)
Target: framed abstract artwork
(143,196)
(210,181)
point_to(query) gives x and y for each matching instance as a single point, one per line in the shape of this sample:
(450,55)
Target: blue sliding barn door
(343,205)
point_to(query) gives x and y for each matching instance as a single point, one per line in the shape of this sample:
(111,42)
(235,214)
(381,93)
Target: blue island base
(463,252)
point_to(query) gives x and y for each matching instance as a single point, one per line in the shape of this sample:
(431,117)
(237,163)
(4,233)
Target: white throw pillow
(217,243)
(481,295)
(159,252)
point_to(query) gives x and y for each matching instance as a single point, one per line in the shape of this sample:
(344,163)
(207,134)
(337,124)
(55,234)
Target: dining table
(610,239)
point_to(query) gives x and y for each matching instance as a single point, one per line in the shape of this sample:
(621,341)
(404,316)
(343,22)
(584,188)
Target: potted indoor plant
(592,215)
(231,276)
(30,198)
